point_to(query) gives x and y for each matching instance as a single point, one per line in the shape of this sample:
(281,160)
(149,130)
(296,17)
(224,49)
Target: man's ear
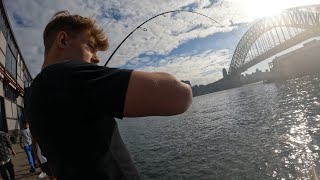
(62,39)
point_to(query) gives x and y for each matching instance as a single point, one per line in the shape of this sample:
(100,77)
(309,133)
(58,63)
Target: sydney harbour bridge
(272,35)
(266,38)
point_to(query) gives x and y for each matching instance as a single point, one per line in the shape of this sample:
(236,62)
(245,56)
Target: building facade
(14,77)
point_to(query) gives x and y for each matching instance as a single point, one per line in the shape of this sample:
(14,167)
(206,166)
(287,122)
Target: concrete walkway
(21,165)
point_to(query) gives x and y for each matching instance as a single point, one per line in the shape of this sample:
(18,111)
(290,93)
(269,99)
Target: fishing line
(163,14)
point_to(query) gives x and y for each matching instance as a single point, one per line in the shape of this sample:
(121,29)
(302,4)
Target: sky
(188,45)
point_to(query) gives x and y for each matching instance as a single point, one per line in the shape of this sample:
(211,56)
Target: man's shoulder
(71,68)
(66,65)
(63,69)
(72,63)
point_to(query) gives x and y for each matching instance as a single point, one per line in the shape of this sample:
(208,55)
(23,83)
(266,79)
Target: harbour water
(257,131)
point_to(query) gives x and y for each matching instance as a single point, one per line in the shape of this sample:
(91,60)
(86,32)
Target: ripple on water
(252,132)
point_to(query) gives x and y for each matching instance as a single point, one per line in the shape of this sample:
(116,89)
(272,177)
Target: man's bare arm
(156,94)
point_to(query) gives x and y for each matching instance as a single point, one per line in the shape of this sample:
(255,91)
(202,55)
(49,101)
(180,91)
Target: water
(253,132)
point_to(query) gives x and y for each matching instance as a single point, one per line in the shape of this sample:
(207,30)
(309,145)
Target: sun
(261,8)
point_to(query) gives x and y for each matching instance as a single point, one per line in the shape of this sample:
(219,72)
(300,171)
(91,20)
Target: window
(20,114)
(11,63)
(3,25)
(12,45)
(26,78)
(9,92)
(3,121)
(2,22)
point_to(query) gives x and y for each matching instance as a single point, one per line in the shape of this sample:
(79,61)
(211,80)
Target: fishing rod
(139,27)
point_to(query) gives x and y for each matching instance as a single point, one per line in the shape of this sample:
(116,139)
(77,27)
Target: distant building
(225,73)
(14,77)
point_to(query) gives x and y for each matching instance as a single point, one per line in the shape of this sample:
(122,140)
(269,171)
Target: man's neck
(51,60)
(54,56)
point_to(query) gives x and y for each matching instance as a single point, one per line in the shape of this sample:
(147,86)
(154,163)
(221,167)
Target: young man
(26,144)
(5,161)
(72,103)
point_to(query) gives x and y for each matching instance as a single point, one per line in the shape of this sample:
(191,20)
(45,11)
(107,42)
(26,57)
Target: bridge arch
(271,35)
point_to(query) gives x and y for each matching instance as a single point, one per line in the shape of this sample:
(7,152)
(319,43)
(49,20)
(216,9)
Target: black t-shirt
(71,108)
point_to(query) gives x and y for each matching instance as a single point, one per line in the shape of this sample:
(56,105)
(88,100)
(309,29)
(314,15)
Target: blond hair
(72,25)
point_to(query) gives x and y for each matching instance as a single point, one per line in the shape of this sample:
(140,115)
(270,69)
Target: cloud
(200,68)
(119,17)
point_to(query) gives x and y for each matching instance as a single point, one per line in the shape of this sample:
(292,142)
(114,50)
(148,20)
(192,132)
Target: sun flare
(261,8)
